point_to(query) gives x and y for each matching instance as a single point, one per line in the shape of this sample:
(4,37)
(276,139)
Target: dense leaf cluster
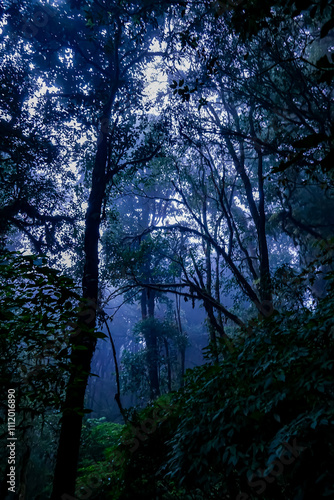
(258,423)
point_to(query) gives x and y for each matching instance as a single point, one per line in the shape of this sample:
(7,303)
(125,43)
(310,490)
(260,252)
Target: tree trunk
(169,368)
(265,279)
(183,364)
(23,474)
(147,306)
(182,344)
(84,341)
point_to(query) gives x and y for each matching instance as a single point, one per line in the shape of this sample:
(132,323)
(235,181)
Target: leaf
(281,376)
(268,382)
(79,348)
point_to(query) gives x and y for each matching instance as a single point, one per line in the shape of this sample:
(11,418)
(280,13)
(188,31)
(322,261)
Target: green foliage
(97,471)
(277,386)
(164,328)
(134,376)
(135,365)
(271,399)
(97,436)
(37,305)
(125,471)
(260,95)
(41,439)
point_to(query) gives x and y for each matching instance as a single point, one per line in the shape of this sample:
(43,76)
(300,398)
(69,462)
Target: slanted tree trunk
(264,301)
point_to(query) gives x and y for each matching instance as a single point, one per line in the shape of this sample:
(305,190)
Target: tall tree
(111,43)
(94,76)
(235,152)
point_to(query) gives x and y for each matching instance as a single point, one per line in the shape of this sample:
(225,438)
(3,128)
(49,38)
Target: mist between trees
(166,241)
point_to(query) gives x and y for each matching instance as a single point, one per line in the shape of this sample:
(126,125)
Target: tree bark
(169,368)
(265,279)
(147,305)
(84,341)
(182,345)
(23,474)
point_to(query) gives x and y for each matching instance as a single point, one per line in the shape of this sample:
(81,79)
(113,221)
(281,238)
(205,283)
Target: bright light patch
(156,79)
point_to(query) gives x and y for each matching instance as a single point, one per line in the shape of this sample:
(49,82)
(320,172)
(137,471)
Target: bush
(259,424)
(274,392)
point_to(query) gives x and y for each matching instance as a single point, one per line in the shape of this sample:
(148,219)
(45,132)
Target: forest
(167,249)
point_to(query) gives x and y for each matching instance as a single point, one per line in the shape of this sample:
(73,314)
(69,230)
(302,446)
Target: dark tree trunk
(265,279)
(143,304)
(169,368)
(23,474)
(147,307)
(84,340)
(4,484)
(182,344)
